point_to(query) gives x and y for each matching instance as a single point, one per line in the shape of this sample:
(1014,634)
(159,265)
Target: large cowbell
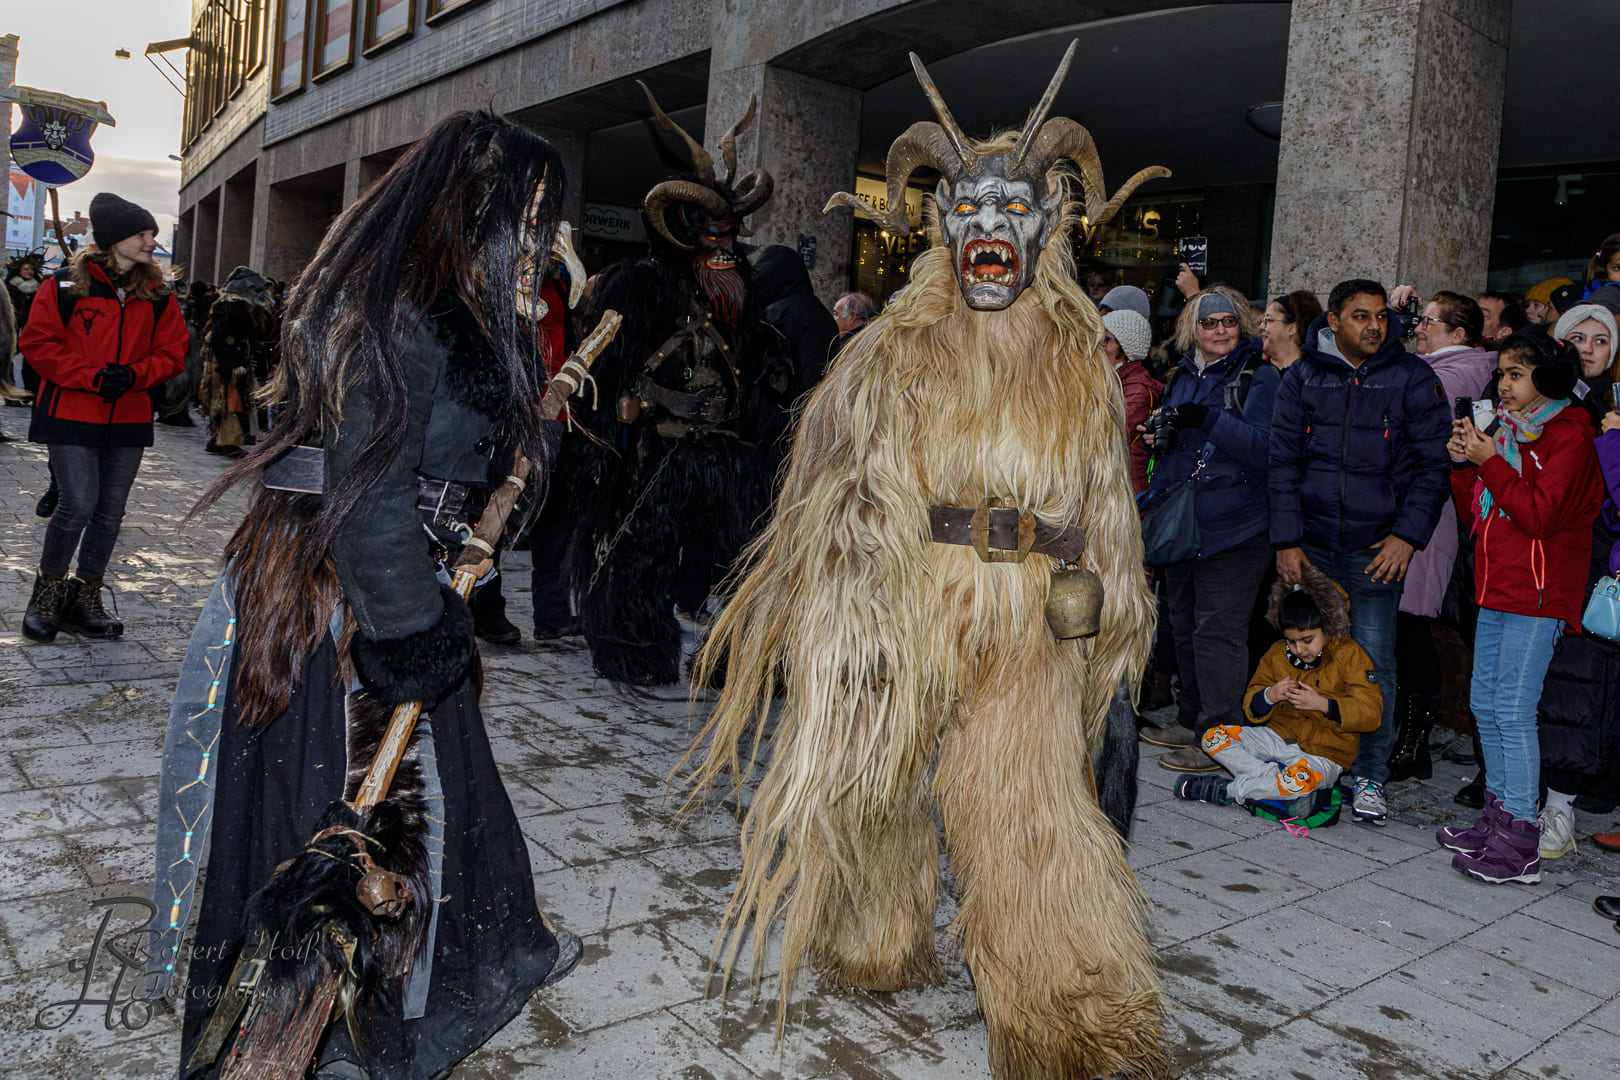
(52,143)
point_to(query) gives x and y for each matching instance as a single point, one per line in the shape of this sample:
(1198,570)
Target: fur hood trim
(1330,598)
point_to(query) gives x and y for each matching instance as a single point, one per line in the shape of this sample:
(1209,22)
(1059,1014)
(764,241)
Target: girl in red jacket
(1530,494)
(101,332)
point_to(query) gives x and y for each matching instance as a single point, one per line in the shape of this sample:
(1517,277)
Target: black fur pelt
(477,378)
(1116,763)
(422,666)
(290,920)
(714,482)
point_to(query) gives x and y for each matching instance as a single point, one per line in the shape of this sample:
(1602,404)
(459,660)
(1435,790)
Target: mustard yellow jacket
(1344,677)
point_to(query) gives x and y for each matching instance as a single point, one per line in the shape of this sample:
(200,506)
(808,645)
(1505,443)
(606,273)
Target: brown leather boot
(83,613)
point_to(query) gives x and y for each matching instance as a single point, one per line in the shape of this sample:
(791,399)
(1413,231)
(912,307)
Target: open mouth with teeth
(721,260)
(989,262)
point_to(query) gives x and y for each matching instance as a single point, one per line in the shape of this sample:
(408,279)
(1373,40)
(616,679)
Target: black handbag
(1170,520)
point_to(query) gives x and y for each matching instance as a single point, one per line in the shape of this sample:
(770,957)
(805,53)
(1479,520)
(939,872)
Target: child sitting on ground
(1309,701)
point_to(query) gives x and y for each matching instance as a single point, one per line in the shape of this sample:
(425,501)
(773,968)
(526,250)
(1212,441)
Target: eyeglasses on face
(1227,322)
(1430,320)
(1275,320)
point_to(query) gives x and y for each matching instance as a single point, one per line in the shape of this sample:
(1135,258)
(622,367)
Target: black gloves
(113,382)
(1191,415)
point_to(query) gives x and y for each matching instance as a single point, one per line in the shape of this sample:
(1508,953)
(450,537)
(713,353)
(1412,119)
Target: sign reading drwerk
(52,144)
(620,223)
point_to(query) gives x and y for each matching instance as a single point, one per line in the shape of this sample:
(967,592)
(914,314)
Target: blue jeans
(1373,608)
(1511,654)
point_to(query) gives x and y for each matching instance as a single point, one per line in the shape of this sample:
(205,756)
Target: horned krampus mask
(710,211)
(998,207)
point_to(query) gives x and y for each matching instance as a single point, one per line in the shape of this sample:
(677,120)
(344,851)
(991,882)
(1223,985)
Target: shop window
(1138,246)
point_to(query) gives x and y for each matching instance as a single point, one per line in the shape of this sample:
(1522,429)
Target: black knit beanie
(113,219)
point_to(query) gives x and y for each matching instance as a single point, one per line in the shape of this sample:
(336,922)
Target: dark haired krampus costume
(693,399)
(926,602)
(239,352)
(329,613)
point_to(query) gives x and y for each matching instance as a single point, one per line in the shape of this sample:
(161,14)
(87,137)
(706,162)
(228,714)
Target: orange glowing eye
(964,208)
(1018,207)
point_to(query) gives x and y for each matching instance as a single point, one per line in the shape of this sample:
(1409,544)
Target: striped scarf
(1515,428)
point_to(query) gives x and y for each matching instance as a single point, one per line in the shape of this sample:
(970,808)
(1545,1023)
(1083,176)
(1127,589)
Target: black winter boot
(1415,714)
(47,502)
(489,615)
(44,616)
(1472,794)
(83,613)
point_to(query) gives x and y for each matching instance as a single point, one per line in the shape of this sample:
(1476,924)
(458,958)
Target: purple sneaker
(1511,853)
(1473,838)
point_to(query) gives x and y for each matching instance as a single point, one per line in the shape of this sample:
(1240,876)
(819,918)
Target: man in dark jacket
(1358,478)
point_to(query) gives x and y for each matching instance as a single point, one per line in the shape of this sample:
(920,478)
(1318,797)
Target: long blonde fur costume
(913,674)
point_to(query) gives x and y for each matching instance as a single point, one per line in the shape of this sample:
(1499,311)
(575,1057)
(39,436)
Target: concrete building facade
(1396,130)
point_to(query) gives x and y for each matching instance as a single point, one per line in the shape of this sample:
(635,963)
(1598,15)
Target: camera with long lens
(1161,425)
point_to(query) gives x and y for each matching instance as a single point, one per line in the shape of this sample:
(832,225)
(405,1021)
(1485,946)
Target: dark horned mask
(997,208)
(719,204)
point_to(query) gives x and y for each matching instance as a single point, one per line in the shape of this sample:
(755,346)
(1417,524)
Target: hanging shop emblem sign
(52,144)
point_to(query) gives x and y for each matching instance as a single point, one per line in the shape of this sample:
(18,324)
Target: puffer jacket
(1229,496)
(1142,395)
(1357,454)
(1531,553)
(103,328)
(1463,372)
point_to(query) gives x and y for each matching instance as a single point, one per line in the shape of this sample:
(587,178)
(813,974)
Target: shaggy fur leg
(1116,762)
(628,618)
(1051,917)
(870,920)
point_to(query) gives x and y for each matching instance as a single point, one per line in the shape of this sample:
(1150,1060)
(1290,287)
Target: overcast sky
(67,46)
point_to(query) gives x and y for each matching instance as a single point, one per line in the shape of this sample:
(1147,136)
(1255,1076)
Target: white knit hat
(1578,314)
(1133,333)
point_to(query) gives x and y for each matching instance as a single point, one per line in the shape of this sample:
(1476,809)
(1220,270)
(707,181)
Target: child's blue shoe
(1204,787)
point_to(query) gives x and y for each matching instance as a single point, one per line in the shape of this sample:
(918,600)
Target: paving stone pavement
(1353,952)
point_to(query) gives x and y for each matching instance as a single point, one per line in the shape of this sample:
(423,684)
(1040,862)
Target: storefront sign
(621,223)
(52,144)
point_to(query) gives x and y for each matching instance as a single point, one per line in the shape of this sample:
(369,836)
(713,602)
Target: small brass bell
(1074,604)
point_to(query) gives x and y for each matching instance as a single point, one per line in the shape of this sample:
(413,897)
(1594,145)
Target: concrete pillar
(205,239)
(298,217)
(182,242)
(352,183)
(571,145)
(1391,126)
(8,76)
(236,222)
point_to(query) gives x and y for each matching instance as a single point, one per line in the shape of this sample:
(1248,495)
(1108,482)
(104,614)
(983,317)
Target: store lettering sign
(875,193)
(621,223)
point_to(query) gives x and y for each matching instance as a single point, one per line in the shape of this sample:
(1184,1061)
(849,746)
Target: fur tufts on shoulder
(1330,598)
(423,666)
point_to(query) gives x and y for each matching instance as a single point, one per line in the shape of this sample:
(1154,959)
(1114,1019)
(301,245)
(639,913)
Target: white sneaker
(1557,833)
(1368,803)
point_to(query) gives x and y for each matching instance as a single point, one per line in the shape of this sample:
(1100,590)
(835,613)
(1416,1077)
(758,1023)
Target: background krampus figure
(693,398)
(239,351)
(916,669)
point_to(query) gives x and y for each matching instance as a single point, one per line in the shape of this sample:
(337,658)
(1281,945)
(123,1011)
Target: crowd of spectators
(1447,468)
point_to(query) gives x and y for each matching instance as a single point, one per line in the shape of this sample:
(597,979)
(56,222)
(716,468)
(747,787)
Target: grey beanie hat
(1132,331)
(1127,298)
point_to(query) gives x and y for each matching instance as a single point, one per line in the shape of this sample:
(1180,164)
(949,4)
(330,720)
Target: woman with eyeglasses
(1449,339)
(1217,414)
(1282,327)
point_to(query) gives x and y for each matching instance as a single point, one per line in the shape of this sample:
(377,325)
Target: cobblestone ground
(1354,952)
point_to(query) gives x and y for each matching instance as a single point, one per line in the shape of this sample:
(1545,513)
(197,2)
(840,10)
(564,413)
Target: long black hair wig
(466,213)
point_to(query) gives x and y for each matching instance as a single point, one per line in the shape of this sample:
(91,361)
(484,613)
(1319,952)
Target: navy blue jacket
(1357,454)
(1229,496)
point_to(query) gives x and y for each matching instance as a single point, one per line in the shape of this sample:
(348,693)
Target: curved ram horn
(947,122)
(702,163)
(752,191)
(923,143)
(1037,119)
(1152,172)
(674,191)
(728,145)
(1060,138)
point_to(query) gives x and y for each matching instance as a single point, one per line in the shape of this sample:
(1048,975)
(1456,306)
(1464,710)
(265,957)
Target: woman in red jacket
(1530,494)
(101,333)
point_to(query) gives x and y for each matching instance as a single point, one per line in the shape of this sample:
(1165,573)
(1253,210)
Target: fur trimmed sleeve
(422,666)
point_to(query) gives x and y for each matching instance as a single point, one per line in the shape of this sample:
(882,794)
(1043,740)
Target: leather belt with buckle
(708,407)
(999,532)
